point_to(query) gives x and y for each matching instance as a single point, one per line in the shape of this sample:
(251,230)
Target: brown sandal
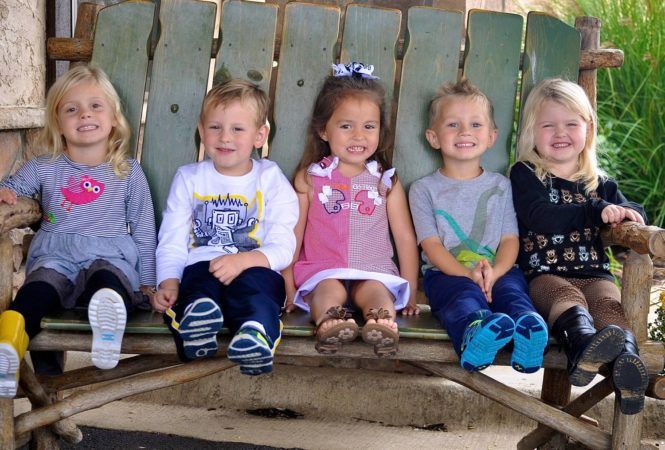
(382,336)
(331,340)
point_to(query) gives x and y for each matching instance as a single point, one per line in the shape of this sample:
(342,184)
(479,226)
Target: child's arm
(24,183)
(141,222)
(404,236)
(303,191)
(534,209)
(620,209)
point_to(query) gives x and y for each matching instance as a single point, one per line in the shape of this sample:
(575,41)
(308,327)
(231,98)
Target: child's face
(462,130)
(560,136)
(353,132)
(86,118)
(229,134)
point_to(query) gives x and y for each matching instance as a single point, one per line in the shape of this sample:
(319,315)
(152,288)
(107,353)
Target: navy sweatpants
(257,294)
(458,301)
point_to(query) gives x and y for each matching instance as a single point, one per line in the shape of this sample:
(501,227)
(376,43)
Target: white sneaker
(9,364)
(108,317)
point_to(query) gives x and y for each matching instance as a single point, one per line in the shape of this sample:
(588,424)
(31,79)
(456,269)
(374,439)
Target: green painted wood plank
(492,60)
(307,51)
(178,83)
(551,49)
(433,44)
(297,323)
(370,36)
(244,54)
(124,56)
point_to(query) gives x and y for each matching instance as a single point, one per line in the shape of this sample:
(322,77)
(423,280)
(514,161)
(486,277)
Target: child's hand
(634,216)
(166,295)
(289,306)
(411,309)
(488,279)
(7,196)
(613,214)
(227,267)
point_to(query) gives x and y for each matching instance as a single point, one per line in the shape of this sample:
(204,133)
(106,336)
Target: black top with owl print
(559,224)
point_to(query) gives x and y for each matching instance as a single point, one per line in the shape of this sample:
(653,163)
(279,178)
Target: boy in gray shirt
(466,225)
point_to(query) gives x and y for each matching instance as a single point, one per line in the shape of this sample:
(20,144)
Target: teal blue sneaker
(530,339)
(483,338)
(252,351)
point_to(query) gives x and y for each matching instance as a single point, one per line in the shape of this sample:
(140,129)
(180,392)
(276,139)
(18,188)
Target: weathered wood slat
(244,54)
(24,213)
(551,49)
(308,44)
(177,86)
(124,56)
(370,36)
(492,63)
(431,58)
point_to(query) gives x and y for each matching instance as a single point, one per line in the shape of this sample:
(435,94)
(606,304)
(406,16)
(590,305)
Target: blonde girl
(350,201)
(96,242)
(562,198)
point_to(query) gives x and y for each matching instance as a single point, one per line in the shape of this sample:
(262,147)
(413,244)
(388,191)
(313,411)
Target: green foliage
(657,328)
(631,98)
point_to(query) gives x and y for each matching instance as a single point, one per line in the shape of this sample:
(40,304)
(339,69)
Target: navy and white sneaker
(201,322)
(252,351)
(107,316)
(483,338)
(530,339)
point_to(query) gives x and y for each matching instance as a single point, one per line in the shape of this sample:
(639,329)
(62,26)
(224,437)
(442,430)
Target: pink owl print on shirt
(80,192)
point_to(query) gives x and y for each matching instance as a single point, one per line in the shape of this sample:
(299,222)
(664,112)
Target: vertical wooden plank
(370,36)
(492,60)
(178,83)
(432,57)
(244,54)
(307,51)
(124,55)
(551,49)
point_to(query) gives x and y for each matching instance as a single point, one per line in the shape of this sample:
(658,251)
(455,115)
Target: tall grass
(631,99)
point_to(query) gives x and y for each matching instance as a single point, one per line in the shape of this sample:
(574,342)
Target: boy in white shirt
(226,233)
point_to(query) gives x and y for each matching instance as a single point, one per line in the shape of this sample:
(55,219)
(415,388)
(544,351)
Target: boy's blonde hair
(118,142)
(237,90)
(463,88)
(571,96)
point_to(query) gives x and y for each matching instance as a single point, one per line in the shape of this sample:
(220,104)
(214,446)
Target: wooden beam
(91,375)
(645,240)
(24,213)
(74,49)
(656,388)
(84,401)
(575,408)
(522,403)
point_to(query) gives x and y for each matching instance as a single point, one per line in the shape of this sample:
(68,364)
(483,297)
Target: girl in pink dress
(350,200)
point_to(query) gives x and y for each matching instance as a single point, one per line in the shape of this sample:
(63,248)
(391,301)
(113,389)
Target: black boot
(630,377)
(585,348)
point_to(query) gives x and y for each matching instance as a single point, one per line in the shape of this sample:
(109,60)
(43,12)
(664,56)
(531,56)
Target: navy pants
(257,294)
(458,301)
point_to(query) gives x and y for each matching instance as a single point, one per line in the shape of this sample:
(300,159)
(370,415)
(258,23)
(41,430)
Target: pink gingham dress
(347,235)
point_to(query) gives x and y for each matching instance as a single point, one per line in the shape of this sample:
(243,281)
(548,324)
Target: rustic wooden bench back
(311,39)
(160,63)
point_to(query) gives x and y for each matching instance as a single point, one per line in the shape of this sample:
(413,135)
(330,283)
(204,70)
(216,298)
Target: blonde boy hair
(571,96)
(237,90)
(463,88)
(51,136)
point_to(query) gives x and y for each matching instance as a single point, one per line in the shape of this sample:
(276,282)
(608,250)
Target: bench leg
(7,417)
(6,285)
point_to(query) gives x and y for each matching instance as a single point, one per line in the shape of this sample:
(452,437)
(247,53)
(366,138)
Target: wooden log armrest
(24,213)
(643,239)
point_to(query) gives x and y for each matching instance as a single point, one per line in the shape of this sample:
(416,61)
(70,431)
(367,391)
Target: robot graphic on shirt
(226,224)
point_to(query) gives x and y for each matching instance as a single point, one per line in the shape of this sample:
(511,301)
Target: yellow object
(13,345)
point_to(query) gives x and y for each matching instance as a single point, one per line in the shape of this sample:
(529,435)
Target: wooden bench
(170,58)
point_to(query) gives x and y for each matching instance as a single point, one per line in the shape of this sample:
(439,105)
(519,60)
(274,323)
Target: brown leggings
(552,295)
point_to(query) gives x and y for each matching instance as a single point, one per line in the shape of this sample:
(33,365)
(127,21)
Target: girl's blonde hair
(118,142)
(571,96)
